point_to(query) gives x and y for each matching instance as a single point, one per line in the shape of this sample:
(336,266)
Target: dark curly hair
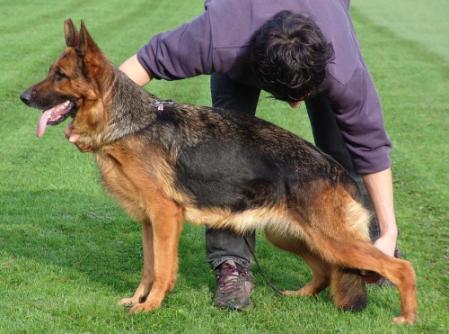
(288,55)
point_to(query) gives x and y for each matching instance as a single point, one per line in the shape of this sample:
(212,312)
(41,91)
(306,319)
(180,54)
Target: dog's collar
(159,105)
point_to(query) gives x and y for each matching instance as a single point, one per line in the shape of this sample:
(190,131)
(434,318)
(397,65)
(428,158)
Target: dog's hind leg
(337,230)
(320,277)
(320,270)
(363,255)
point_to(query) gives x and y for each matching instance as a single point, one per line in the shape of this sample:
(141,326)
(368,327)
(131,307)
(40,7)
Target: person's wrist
(387,241)
(390,232)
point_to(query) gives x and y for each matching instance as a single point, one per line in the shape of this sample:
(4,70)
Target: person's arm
(380,189)
(135,71)
(180,53)
(183,52)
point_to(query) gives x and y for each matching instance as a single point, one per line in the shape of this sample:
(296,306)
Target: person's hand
(386,244)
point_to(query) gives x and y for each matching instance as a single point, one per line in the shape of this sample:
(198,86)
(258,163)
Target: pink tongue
(42,123)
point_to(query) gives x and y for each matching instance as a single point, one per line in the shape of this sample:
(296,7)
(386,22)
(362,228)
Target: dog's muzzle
(27,96)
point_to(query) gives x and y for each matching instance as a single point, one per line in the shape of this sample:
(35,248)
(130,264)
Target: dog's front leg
(166,219)
(144,287)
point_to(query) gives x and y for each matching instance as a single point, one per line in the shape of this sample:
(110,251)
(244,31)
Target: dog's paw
(303,292)
(128,302)
(404,320)
(147,306)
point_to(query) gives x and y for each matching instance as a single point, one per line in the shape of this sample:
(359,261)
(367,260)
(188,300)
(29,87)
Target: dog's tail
(348,289)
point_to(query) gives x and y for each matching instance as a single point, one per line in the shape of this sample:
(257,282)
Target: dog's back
(238,162)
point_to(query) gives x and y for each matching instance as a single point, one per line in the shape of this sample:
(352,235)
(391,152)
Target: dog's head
(76,86)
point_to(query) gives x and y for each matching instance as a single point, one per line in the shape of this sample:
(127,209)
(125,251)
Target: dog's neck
(131,108)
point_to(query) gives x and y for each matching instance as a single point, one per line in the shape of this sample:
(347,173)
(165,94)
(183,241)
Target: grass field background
(68,253)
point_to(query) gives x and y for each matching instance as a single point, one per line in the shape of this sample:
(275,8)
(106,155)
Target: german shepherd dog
(168,162)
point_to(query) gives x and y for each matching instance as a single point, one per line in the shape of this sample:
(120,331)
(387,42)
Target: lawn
(68,253)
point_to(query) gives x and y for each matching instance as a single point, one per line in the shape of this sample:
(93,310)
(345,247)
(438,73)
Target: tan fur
(273,218)
(357,216)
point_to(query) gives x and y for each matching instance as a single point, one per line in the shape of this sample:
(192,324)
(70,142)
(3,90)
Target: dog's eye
(60,75)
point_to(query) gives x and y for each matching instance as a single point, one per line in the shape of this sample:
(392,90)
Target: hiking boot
(234,286)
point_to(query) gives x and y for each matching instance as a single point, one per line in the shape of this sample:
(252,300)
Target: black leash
(264,277)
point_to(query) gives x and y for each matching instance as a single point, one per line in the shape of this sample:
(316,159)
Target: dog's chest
(137,178)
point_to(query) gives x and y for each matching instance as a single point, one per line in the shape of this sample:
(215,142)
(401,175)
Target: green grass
(68,253)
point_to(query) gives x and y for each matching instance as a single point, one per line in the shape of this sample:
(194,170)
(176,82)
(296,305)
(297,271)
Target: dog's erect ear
(71,35)
(95,63)
(86,43)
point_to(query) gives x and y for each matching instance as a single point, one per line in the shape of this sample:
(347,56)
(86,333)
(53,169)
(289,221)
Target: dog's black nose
(26,97)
